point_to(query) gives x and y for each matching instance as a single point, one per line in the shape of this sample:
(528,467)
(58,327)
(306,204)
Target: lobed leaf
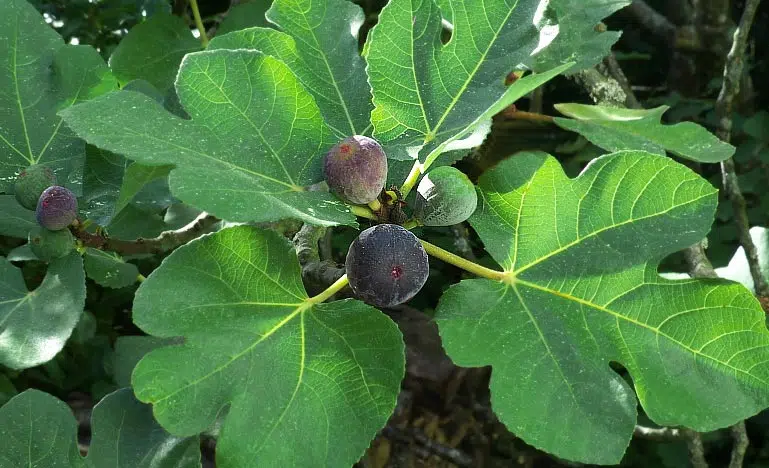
(40,430)
(426,93)
(38,76)
(581,290)
(153,50)
(579,39)
(617,129)
(34,325)
(288,368)
(255,141)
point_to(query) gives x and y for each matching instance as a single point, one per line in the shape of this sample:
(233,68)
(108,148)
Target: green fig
(30,183)
(49,245)
(445,196)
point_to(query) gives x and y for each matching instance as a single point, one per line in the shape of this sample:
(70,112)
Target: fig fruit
(49,245)
(30,183)
(445,196)
(386,265)
(56,208)
(356,169)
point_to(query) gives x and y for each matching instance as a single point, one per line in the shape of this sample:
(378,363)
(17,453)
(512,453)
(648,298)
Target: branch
(166,241)
(699,264)
(652,20)
(696,449)
(741,442)
(316,273)
(603,88)
(732,75)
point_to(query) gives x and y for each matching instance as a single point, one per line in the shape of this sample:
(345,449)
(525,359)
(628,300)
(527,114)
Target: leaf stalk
(199,22)
(463,263)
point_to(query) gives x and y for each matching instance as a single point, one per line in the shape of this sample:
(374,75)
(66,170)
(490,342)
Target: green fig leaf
(285,365)
(40,431)
(34,325)
(578,39)
(108,269)
(243,16)
(102,179)
(40,75)
(616,129)
(319,44)
(152,51)
(254,144)
(17,220)
(128,352)
(430,97)
(581,290)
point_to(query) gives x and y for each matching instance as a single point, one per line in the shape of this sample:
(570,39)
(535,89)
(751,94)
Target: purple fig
(56,208)
(356,169)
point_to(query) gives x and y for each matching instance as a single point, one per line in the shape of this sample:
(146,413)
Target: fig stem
(199,22)
(463,263)
(375,205)
(412,178)
(329,291)
(363,212)
(411,224)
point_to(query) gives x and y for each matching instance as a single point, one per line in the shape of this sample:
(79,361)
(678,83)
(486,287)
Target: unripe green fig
(445,196)
(30,183)
(356,169)
(56,208)
(386,265)
(49,245)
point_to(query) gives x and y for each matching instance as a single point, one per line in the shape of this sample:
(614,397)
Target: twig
(652,20)
(602,87)
(696,449)
(317,273)
(199,23)
(729,89)
(515,114)
(699,264)
(740,436)
(166,241)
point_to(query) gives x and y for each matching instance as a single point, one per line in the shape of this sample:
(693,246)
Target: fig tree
(356,169)
(56,208)
(30,183)
(386,265)
(445,196)
(49,245)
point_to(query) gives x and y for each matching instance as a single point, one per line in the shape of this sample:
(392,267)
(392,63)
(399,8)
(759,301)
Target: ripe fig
(56,208)
(386,265)
(49,245)
(445,196)
(30,183)
(356,169)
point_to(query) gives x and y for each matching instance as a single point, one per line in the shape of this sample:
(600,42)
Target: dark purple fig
(356,169)
(56,208)
(30,183)
(386,265)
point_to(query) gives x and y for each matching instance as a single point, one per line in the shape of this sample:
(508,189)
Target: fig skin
(356,169)
(56,208)
(386,265)
(445,196)
(49,245)
(30,183)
